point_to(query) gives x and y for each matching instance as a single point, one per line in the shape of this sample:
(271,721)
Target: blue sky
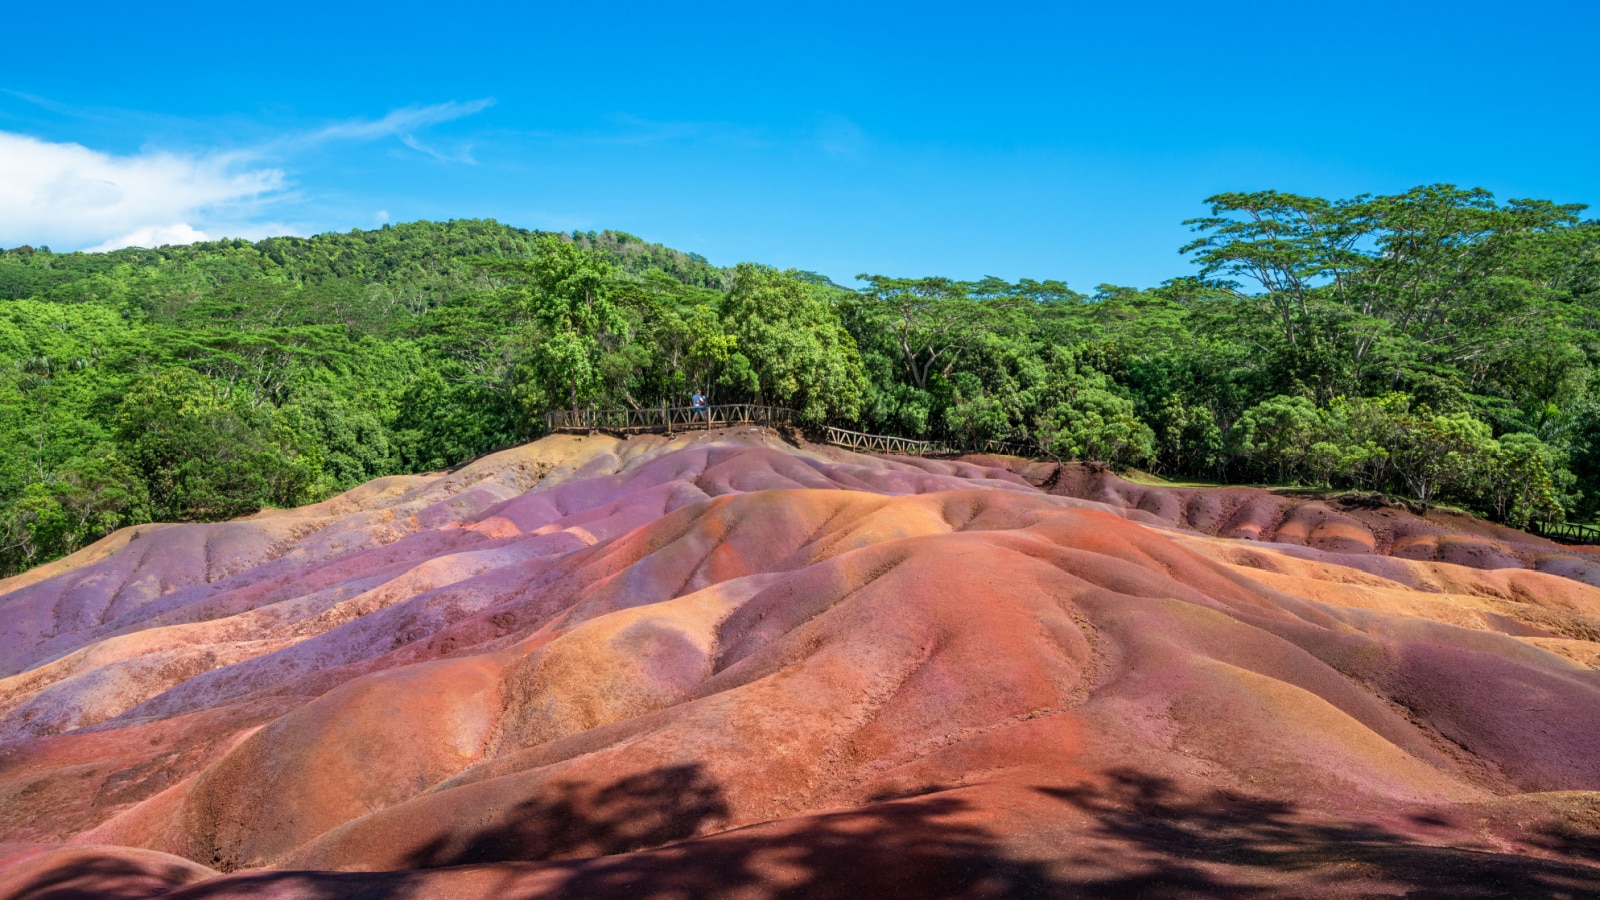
(1044,141)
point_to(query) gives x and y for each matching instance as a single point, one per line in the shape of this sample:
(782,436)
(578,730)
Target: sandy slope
(728,665)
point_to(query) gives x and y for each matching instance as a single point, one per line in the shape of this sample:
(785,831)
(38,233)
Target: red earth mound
(725,665)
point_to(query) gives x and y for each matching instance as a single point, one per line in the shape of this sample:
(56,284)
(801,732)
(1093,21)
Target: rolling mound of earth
(730,665)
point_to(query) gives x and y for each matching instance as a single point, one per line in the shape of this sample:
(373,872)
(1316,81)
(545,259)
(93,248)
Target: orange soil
(727,665)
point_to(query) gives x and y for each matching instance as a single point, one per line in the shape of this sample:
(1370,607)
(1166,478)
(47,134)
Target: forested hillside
(1435,344)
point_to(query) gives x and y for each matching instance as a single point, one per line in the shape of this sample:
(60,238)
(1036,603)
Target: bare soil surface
(731,664)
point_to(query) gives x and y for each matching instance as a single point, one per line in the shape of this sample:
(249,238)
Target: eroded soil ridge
(728,665)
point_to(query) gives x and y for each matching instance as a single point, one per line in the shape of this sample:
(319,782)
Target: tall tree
(792,348)
(573,296)
(1288,244)
(933,321)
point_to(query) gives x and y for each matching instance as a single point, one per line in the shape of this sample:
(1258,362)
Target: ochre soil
(729,665)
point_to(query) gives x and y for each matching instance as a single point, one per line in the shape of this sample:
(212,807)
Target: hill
(306,366)
(728,664)
(1435,344)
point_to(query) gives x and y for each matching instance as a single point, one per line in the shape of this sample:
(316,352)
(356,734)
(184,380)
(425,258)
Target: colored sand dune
(726,665)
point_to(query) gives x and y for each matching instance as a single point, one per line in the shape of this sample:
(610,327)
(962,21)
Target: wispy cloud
(637,130)
(838,136)
(463,155)
(403,123)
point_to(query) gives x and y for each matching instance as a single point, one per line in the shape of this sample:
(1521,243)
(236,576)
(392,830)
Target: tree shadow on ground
(1127,835)
(103,878)
(920,847)
(580,819)
(1169,843)
(1564,840)
(925,847)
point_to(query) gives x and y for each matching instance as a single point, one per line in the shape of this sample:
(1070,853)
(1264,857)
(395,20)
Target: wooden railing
(1008,448)
(666,418)
(688,418)
(1567,532)
(883,443)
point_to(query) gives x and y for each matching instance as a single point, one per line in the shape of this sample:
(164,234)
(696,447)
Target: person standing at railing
(698,403)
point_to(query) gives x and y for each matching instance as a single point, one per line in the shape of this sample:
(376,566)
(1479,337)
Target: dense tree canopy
(1435,344)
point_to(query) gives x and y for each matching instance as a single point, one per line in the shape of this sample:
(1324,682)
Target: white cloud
(154,236)
(69,196)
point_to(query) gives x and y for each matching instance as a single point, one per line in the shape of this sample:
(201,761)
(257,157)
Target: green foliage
(1186,437)
(1577,430)
(1278,434)
(931,322)
(90,496)
(1083,416)
(792,349)
(569,296)
(1434,343)
(974,416)
(207,381)
(1439,454)
(202,460)
(1523,480)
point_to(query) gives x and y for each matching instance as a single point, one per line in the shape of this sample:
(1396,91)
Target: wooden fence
(1567,532)
(687,418)
(1008,448)
(666,418)
(883,443)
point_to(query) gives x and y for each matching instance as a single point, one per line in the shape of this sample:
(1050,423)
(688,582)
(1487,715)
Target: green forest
(1437,345)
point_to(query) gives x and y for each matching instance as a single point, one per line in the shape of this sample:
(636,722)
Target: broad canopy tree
(933,321)
(1364,294)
